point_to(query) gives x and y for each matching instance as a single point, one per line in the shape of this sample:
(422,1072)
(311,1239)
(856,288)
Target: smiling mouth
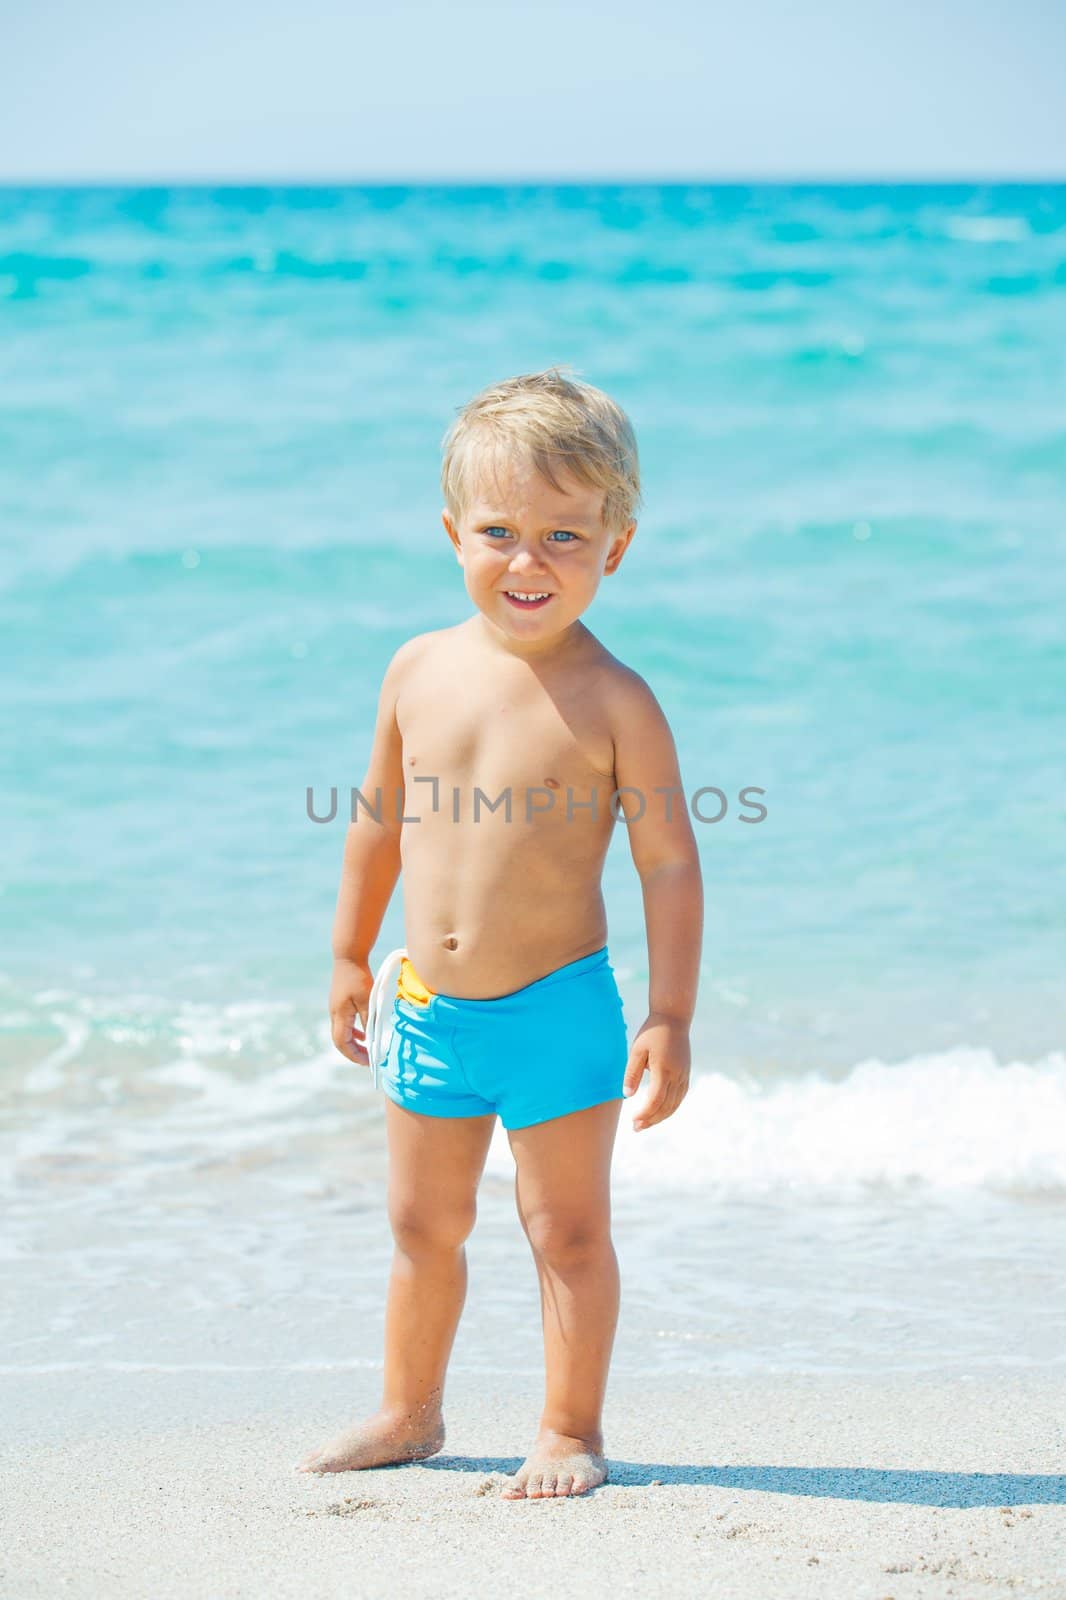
(527,600)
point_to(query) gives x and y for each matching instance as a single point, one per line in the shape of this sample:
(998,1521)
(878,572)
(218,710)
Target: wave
(954,1121)
(220,1083)
(988,230)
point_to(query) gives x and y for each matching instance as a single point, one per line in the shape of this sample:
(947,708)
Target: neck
(529,649)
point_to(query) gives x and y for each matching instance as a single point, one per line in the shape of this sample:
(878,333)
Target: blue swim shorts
(556,1046)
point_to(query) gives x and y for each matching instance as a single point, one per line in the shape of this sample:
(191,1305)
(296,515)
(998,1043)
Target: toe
(579,1484)
(547,1484)
(563,1483)
(535,1485)
(515,1490)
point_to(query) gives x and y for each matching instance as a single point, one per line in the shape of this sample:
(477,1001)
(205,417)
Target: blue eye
(496,533)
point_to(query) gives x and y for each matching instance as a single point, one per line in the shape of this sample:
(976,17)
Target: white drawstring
(379,1011)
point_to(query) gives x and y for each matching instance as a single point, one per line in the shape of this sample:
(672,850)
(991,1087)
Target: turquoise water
(220,414)
(219,426)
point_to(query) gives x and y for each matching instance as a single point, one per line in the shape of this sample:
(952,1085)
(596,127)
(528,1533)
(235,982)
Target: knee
(565,1240)
(419,1229)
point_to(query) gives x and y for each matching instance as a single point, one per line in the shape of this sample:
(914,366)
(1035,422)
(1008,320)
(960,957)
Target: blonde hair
(555,423)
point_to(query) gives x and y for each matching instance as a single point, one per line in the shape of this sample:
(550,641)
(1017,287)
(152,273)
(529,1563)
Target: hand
(662,1048)
(349,996)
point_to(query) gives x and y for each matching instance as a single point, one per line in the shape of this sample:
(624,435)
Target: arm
(666,858)
(369,872)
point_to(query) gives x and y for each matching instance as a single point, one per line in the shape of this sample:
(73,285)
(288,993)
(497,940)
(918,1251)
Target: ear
(619,545)
(453,534)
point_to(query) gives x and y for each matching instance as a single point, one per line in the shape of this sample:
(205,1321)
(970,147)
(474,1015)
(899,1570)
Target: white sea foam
(988,230)
(244,1082)
(952,1122)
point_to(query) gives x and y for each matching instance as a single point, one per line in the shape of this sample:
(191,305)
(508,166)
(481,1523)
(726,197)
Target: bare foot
(384,1438)
(558,1464)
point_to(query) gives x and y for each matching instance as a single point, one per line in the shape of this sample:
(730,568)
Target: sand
(182,1484)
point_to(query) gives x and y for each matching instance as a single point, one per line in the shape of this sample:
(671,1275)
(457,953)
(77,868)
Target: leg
(564,1202)
(435,1164)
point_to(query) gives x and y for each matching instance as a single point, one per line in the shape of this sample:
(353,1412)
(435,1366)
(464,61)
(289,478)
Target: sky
(99,90)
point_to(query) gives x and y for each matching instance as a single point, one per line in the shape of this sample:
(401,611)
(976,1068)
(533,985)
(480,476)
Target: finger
(358,1041)
(664,1110)
(635,1070)
(660,1101)
(658,1086)
(675,1094)
(360,1053)
(348,1042)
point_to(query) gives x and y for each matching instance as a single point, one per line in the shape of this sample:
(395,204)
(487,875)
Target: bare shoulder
(424,650)
(629,699)
(639,732)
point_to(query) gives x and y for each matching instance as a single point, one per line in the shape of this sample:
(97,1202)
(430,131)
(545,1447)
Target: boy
(529,739)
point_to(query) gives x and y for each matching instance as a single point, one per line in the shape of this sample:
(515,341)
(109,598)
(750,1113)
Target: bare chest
(496,740)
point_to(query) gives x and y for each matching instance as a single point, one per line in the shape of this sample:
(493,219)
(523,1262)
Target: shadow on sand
(958,1489)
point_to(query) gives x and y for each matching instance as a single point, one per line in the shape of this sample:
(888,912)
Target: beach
(155,1484)
(841,1360)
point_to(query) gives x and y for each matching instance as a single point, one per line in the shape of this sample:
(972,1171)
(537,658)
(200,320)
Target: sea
(220,419)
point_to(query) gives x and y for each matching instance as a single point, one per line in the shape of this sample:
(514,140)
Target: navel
(450,942)
(552,783)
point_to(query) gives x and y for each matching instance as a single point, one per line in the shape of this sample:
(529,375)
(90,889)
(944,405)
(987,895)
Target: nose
(524,560)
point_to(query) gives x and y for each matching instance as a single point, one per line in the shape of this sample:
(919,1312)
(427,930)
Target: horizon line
(557,181)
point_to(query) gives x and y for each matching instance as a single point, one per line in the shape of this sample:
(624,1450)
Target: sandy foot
(557,1465)
(378,1442)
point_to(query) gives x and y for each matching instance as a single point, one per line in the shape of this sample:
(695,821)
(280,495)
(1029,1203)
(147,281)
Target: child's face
(518,535)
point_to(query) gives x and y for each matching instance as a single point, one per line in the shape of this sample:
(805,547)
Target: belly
(492,905)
